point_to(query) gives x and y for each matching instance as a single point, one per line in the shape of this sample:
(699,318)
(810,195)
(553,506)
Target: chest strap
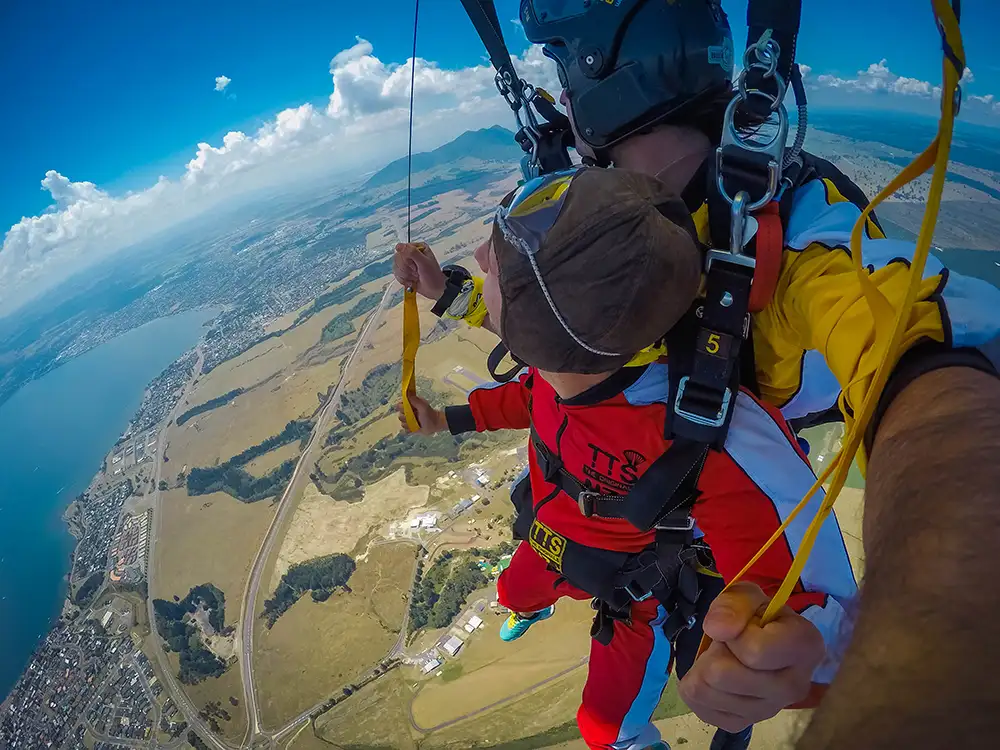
(660,499)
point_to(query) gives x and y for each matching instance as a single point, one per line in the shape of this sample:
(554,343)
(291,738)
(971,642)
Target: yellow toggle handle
(411,341)
(887,330)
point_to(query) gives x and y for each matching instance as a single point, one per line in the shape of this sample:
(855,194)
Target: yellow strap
(411,340)
(889,326)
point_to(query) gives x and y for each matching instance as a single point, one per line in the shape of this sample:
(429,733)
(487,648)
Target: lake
(54,433)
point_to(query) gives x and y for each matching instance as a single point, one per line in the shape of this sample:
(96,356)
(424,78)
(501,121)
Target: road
(170,683)
(583,662)
(285,506)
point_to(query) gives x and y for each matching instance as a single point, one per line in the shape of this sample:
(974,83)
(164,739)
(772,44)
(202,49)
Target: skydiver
(816,336)
(597,467)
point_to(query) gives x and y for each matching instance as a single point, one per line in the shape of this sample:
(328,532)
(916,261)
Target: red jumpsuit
(607,437)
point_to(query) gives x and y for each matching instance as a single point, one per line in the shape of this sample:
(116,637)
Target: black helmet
(627,64)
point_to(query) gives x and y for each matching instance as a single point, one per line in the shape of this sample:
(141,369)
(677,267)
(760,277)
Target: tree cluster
(379,385)
(232,478)
(440,594)
(196,661)
(320,576)
(195,741)
(343,324)
(371,464)
(88,588)
(212,403)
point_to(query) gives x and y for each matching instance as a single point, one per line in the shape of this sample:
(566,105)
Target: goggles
(525,222)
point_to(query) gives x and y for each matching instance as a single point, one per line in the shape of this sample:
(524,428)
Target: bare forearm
(922,665)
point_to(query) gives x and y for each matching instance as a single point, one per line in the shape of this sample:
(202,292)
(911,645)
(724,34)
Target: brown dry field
(322,525)
(374,717)
(272,460)
(315,649)
(221,689)
(208,539)
(493,670)
(552,705)
(251,418)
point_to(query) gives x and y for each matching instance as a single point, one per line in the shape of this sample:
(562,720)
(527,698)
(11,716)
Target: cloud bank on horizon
(364,121)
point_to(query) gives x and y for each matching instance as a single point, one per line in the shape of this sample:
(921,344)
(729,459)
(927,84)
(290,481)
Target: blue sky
(117,94)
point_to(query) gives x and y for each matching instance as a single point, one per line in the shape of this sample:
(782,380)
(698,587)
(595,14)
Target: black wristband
(451,290)
(460,419)
(455,276)
(920,360)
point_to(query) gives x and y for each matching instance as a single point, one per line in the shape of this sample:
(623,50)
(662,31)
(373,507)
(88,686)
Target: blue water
(54,433)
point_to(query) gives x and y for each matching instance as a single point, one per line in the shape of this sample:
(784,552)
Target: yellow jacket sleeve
(817,336)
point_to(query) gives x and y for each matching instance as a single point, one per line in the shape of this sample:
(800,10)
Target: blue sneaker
(517,625)
(724,740)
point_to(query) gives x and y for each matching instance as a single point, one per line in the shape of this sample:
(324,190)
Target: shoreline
(73,522)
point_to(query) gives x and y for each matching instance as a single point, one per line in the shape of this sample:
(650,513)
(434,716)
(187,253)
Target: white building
(475,621)
(106,619)
(452,646)
(431,666)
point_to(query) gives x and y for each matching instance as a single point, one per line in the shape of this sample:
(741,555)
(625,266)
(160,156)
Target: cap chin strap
(560,318)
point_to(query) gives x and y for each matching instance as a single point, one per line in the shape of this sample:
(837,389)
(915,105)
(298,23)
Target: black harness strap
(483,14)
(496,357)
(783,18)
(591,503)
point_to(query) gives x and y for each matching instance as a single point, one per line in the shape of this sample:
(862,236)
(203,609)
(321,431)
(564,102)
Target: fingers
(733,610)
(404,269)
(401,413)
(789,641)
(416,266)
(724,692)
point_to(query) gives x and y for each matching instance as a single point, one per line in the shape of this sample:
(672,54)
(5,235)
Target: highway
(171,685)
(286,506)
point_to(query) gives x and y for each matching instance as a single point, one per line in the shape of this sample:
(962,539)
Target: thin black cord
(409,148)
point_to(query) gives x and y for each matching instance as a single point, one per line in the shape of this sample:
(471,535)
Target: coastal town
(86,677)
(88,682)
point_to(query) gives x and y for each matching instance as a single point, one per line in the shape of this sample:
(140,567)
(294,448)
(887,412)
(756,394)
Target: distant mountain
(488,144)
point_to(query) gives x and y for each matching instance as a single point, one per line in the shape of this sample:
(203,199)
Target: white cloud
(805,70)
(987,99)
(221,82)
(878,78)
(364,122)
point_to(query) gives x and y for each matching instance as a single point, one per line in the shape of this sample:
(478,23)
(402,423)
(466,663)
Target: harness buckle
(585,501)
(636,597)
(684,524)
(717,421)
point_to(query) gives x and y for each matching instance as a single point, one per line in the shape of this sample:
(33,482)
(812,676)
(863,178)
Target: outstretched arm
(921,667)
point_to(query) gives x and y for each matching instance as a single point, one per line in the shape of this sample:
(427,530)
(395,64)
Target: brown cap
(618,270)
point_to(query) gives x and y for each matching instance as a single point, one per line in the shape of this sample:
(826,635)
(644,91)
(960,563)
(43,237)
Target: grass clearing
(272,460)
(493,670)
(539,719)
(208,539)
(220,690)
(374,717)
(317,648)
